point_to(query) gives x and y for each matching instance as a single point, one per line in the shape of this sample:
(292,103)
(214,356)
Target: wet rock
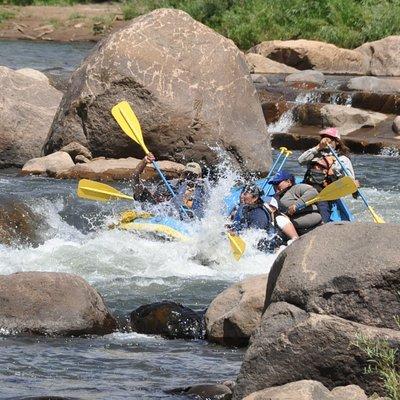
(259,78)
(33,73)
(383,55)
(339,269)
(50,165)
(385,103)
(300,390)
(28,106)
(74,149)
(273,111)
(307,76)
(235,314)
(350,392)
(309,54)
(396,125)
(189,87)
(291,345)
(374,85)
(19,225)
(259,64)
(168,319)
(205,391)
(348,119)
(52,303)
(80,159)
(118,169)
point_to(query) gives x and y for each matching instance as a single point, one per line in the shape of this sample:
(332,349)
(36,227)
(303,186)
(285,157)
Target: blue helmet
(281,176)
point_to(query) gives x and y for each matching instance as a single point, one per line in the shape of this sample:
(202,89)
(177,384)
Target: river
(130,270)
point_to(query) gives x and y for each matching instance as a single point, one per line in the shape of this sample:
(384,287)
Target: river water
(130,270)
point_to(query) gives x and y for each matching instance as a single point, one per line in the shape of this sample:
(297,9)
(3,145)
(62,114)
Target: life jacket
(320,172)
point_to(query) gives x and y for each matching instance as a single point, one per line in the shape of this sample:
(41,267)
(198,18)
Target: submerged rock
(205,391)
(51,303)
(307,76)
(19,225)
(168,319)
(27,109)
(235,314)
(189,87)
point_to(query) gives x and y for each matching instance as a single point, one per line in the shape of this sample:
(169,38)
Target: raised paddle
(127,120)
(376,217)
(340,188)
(92,190)
(282,151)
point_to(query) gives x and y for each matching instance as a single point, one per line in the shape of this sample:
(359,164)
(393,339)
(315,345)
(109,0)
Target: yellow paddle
(340,188)
(238,245)
(127,120)
(92,190)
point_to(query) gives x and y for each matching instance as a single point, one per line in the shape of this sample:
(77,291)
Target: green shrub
(4,15)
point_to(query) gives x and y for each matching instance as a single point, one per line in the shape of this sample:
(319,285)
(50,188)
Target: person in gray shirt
(291,200)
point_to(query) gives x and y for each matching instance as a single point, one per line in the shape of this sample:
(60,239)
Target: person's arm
(137,186)
(308,155)
(347,164)
(286,226)
(303,193)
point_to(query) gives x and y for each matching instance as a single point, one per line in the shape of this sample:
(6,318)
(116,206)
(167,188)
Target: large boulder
(189,87)
(27,109)
(168,319)
(383,55)
(396,125)
(235,314)
(50,303)
(374,85)
(340,269)
(309,54)
(292,344)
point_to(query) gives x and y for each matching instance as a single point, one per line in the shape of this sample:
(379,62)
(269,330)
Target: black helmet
(253,189)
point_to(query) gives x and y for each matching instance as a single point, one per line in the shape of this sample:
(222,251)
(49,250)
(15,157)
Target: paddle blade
(238,246)
(340,188)
(377,218)
(127,120)
(92,190)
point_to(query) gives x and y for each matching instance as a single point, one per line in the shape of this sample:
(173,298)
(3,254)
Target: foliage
(383,360)
(5,15)
(346,23)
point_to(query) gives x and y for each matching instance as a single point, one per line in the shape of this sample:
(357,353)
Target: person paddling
(292,198)
(322,166)
(191,190)
(252,214)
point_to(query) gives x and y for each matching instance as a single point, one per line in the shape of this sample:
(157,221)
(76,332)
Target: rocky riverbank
(79,22)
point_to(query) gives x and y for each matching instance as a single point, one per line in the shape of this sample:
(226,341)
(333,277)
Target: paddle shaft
(288,153)
(346,172)
(282,150)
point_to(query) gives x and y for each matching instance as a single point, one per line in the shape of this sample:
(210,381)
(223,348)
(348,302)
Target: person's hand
(324,143)
(149,158)
(292,209)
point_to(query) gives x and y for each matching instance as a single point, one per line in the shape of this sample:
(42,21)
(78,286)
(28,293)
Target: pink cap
(331,132)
